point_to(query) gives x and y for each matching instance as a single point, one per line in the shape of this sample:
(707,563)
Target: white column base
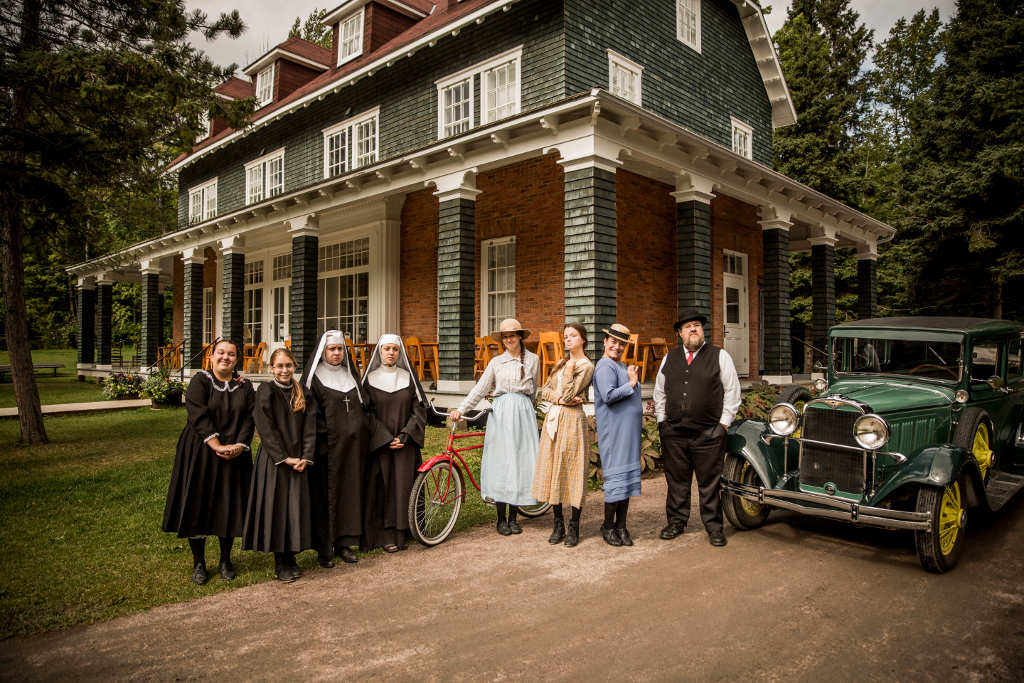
(455,386)
(777,379)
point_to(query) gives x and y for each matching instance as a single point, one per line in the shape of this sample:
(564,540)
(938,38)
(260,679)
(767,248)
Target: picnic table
(6,369)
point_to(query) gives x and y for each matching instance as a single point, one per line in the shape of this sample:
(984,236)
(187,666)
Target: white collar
(335,377)
(388,379)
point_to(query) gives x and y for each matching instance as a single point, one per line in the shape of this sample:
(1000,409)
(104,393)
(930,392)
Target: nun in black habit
(209,484)
(342,434)
(398,416)
(278,518)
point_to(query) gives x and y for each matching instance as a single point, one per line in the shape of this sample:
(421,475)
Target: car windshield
(917,358)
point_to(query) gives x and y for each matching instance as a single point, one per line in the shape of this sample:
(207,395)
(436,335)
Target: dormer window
(688,22)
(350,37)
(265,87)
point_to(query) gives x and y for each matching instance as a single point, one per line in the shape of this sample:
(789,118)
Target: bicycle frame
(451,454)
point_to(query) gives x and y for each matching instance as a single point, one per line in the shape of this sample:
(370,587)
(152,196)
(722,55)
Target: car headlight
(820,384)
(783,419)
(871,432)
(962,396)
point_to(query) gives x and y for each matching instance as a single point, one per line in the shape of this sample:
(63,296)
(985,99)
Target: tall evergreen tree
(313,29)
(97,92)
(968,176)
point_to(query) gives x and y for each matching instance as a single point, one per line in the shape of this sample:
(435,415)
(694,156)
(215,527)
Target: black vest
(693,393)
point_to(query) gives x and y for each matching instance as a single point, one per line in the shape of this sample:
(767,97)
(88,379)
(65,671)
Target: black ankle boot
(558,533)
(573,537)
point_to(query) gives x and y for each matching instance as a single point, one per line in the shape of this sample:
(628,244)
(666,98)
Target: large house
(448,164)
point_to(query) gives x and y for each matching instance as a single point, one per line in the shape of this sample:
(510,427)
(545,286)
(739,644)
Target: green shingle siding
(696,90)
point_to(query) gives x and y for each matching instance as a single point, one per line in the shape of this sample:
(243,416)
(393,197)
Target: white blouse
(505,374)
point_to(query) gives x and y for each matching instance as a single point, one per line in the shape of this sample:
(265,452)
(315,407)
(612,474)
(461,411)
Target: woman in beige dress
(561,473)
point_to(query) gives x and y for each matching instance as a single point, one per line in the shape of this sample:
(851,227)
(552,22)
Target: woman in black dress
(278,518)
(209,486)
(398,417)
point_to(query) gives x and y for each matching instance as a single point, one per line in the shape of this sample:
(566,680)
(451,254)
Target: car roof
(935,323)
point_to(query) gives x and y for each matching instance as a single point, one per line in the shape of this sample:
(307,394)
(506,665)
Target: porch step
(1001,487)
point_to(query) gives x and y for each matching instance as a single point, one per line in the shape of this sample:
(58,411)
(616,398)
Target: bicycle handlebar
(471,416)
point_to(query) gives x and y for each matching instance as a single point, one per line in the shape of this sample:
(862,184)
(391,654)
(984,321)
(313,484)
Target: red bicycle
(439,489)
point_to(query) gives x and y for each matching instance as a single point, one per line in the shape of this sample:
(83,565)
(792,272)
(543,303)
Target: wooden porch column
(86,322)
(693,244)
(823,285)
(778,351)
(233,291)
(305,232)
(867,282)
(104,307)
(456,262)
(193,260)
(591,250)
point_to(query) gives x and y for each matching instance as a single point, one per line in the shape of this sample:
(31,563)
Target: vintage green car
(919,420)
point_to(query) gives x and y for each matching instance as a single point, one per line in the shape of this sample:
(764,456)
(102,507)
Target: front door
(736,338)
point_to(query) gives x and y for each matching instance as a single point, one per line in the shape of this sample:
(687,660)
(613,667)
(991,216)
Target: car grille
(821,464)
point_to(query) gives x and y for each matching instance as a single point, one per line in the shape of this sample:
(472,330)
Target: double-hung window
(498,83)
(253,323)
(207,315)
(624,76)
(688,22)
(351,143)
(498,285)
(264,177)
(202,202)
(282,277)
(742,139)
(350,33)
(265,86)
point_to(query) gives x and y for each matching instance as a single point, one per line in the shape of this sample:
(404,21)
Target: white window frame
(281,280)
(738,126)
(470,74)
(485,292)
(264,86)
(208,314)
(352,129)
(355,19)
(253,301)
(681,8)
(256,173)
(344,270)
(447,127)
(616,60)
(206,194)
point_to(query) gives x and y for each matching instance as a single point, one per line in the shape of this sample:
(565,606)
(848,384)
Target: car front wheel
(742,513)
(939,547)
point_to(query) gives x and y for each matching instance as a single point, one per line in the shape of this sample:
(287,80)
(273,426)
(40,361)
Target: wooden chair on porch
(550,347)
(252,358)
(357,355)
(420,359)
(208,357)
(482,355)
(659,349)
(633,355)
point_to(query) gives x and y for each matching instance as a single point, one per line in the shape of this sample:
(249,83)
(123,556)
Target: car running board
(1001,487)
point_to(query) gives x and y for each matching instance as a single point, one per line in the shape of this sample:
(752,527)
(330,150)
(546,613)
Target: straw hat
(510,325)
(618,331)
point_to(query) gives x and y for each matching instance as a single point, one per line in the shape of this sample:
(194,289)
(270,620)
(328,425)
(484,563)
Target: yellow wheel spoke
(950,512)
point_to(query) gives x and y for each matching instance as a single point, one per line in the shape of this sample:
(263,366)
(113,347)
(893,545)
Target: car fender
(744,440)
(936,466)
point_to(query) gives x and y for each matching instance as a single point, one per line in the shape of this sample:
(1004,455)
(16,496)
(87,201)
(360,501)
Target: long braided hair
(298,399)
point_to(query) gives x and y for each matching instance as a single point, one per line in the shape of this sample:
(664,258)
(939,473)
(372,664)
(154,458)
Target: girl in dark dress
(342,433)
(278,518)
(209,485)
(398,416)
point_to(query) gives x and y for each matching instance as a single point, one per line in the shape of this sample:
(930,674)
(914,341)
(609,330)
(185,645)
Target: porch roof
(592,124)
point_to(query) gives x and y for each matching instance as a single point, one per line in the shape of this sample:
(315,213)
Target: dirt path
(797,600)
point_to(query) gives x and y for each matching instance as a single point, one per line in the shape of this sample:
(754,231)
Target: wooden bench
(6,369)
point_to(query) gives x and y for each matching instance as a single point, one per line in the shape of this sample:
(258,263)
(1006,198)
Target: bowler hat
(687,316)
(618,331)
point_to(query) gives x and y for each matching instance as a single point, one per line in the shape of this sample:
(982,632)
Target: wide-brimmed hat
(510,325)
(687,316)
(617,331)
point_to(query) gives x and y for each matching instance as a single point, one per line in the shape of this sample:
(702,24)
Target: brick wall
(526,200)
(646,294)
(419,265)
(734,227)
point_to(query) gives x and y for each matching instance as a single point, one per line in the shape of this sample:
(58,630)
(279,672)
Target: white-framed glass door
(736,313)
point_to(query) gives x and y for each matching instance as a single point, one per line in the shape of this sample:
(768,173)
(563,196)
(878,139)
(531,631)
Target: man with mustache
(696,396)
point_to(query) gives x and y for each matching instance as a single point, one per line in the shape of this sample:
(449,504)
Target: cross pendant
(346,404)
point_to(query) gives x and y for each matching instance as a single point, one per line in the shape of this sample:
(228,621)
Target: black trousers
(683,454)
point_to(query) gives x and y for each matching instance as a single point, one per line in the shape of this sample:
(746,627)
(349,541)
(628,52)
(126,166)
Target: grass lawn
(80,522)
(64,388)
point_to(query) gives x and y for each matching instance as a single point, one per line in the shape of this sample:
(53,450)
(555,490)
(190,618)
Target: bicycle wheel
(434,503)
(535,510)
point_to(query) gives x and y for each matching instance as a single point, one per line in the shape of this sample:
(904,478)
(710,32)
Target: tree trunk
(12,235)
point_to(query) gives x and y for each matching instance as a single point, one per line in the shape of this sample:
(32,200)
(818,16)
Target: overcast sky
(268,22)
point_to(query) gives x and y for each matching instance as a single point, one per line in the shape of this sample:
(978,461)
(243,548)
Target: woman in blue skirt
(510,445)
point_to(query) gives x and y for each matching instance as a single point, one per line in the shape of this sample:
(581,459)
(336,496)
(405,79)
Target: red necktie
(689,357)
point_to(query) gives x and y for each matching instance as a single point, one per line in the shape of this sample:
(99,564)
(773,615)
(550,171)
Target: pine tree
(313,29)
